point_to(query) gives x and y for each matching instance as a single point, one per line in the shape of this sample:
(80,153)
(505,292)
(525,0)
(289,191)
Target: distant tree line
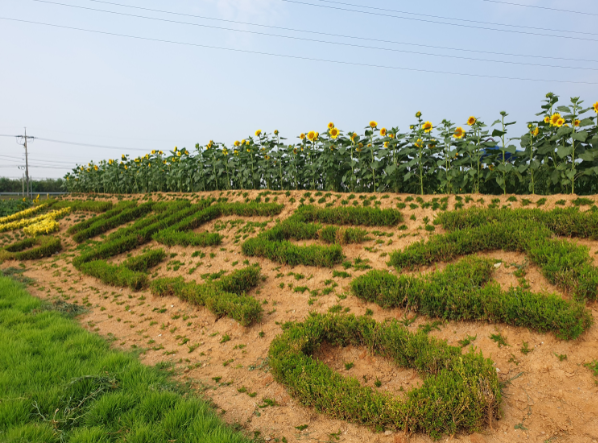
(37,186)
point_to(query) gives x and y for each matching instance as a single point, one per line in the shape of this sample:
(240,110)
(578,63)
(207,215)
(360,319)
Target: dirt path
(548,400)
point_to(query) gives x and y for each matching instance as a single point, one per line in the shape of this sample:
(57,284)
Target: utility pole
(22,140)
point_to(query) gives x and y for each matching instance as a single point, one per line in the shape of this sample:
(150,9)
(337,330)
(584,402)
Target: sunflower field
(557,154)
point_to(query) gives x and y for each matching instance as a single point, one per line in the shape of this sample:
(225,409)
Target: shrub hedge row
(80,205)
(170,238)
(223,297)
(101,226)
(31,248)
(115,275)
(145,261)
(564,264)
(460,392)
(274,244)
(462,292)
(111,213)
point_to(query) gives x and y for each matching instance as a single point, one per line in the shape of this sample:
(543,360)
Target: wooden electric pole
(24,139)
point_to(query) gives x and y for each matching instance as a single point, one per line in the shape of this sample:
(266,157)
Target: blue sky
(107,90)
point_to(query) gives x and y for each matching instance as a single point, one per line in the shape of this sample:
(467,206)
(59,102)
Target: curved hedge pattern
(460,392)
(45,246)
(462,292)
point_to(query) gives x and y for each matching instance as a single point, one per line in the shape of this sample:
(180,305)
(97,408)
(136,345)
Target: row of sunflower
(558,154)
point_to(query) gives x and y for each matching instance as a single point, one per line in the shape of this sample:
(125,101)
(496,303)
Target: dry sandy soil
(547,400)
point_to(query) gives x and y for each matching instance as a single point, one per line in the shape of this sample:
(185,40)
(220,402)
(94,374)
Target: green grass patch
(460,392)
(462,292)
(223,297)
(32,248)
(61,383)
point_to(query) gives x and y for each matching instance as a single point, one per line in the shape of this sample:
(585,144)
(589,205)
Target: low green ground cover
(564,263)
(60,383)
(462,292)
(460,392)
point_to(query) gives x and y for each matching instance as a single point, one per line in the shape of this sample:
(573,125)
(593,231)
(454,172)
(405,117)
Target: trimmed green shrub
(350,216)
(83,205)
(563,263)
(109,214)
(171,238)
(289,254)
(221,297)
(342,236)
(457,293)
(145,261)
(106,224)
(460,392)
(115,275)
(31,248)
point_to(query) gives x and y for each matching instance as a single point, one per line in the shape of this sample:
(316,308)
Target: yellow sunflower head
(225,151)
(471,120)
(176,149)
(547,119)
(534,132)
(411,126)
(237,143)
(258,132)
(391,135)
(418,114)
(596,107)
(354,137)
(330,125)
(334,132)
(554,118)
(236,152)
(383,132)
(95,168)
(386,145)
(302,136)
(576,123)
(419,143)
(123,157)
(160,152)
(276,132)
(178,154)
(248,150)
(153,152)
(373,124)
(311,135)
(427,126)
(560,122)
(126,167)
(317,135)
(459,133)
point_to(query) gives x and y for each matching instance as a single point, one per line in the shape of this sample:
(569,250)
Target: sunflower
(386,145)
(176,149)
(126,167)
(373,124)
(302,136)
(110,161)
(334,132)
(317,135)
(267,157)
(95,168)
(330,125)
(418,143)
(258,132)
(471,120)
(418,114)
(427,126)
(123,157)
(547,119)
(295,151)
(178,154)
(555,118)
(311,135)
(576,123)
(369,145)
(354,136)
(225,151)
(383,132)
(459,132)
(534,132)
(560,122)
(236,152)
(160,152)
(391,135)
(411,127)
(276,132)
(153,152)
(248,150)
(596,107)
(237,143)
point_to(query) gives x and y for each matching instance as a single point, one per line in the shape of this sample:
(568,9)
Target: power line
(338,8)
(86,144)
(294,57)
(455,18)
(37,159)
(539,7)
(162,11)
(317,40)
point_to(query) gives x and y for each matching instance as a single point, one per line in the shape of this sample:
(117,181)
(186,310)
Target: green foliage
(31,248)
(170,238)
(563,263)
(460,392)
(9,207)
(462,292)
(115,275)
(82,226)
(61,383)
(223,297)
(104,224)
(83,205)
(145,261)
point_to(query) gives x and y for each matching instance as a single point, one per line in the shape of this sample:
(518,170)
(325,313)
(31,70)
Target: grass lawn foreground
(60,383)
